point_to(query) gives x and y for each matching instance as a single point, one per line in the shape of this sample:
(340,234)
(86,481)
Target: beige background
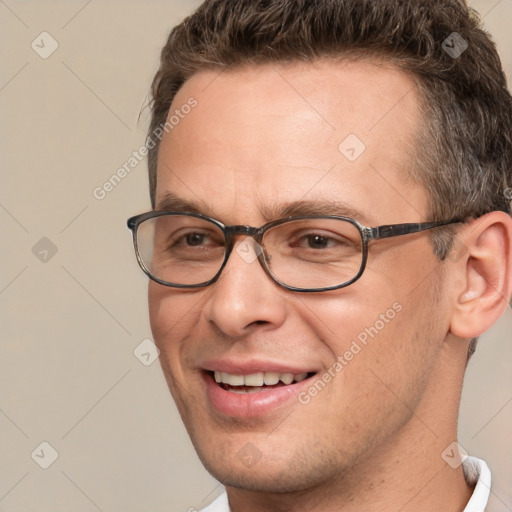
(68,375)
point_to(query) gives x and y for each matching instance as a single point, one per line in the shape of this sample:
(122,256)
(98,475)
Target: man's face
(261,139)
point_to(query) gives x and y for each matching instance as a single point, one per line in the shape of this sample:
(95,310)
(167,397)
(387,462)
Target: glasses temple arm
(391,230)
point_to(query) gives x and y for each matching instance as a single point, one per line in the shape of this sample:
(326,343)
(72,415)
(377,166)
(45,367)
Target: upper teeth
(258,379)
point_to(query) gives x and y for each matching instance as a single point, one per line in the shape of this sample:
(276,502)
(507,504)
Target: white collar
(476,472)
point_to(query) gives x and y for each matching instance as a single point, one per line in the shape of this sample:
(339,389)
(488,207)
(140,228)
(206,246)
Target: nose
(245,298)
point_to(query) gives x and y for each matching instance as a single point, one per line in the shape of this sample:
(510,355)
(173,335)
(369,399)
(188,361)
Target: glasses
(309,253)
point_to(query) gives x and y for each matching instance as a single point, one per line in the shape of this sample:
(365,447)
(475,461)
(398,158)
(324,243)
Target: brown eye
(195,239)
(317,242)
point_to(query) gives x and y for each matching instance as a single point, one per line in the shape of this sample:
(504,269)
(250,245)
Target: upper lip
(247,367)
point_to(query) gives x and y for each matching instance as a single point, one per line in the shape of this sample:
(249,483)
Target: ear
(484,274)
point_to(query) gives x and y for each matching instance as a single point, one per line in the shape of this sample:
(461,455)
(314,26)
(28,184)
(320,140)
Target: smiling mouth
(257,382)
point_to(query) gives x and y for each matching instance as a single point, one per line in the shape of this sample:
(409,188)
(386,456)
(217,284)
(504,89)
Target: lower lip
(250,405)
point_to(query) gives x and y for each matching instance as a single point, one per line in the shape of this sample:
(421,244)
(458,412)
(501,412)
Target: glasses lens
(314,253)
(180,249)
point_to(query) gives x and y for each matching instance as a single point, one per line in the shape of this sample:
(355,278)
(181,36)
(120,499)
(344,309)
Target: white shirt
(476,472)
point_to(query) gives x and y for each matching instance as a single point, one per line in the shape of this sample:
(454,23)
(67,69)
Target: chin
(239,464)
(263,479)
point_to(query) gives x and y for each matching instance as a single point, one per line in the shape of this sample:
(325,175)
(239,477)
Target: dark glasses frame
(366,233)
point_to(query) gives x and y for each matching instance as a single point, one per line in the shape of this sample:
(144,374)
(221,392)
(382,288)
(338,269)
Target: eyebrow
(172,202)
(313,207)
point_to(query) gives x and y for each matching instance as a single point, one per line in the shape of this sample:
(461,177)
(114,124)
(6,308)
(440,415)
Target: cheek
(160,321)
(368,333)
(171,314)
(348,315)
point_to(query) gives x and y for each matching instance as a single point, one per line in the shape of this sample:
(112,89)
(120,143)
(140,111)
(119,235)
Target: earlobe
(486,275)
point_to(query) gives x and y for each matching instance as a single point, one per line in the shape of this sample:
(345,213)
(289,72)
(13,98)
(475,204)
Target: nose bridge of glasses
(232,231)
(256,234)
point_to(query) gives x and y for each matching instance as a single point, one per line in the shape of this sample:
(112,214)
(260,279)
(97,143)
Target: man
(331,233)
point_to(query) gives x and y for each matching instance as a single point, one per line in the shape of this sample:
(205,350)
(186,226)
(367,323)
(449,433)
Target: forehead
(337,131)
